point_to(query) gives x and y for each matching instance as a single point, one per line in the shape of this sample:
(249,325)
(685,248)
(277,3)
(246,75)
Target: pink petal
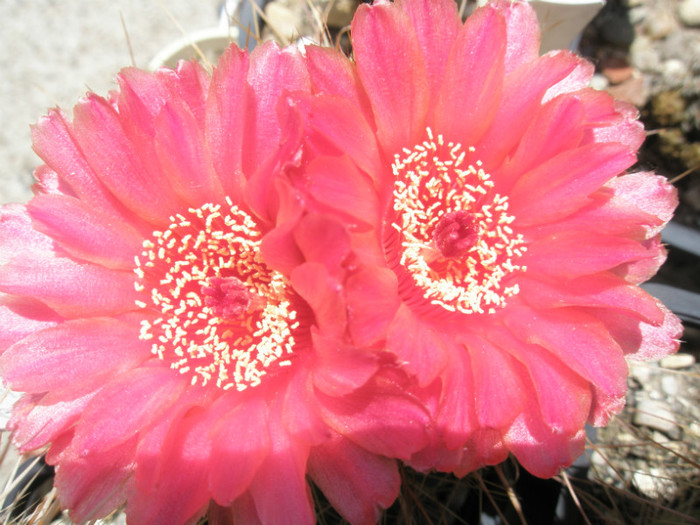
(456,418)
(301,418)
(649,193)
(436,24)
(20,317)
(358,484)
(520,102)
(571,255)
(85,232)
(226,107)
(290,501)
(564,397)
(565,181)
(644,268)
(578,340)
(498,387)
(80,355)
(183,157)
(55,142)
(322,293)
(92,487)
(579,78)
(473,80)
(522,30)
(127,405)
(271,70)
(417,345)
(18,238)
(643,341)
(338,121)
(540,450)
(335,183)
(372,296)
(341,368)
(70,288)
(235,461)
(278,249)
(362,418)
(558,126)
(104,140)
(178,492)
(333,74)
(37,421)
(140,98)
(612,121)
(397,82)
(598,291)
(243,511)
(324,239)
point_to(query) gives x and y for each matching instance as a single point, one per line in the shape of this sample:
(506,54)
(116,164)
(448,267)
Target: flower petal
(436,24)
(335,183)
(473,79)
(226,107)
(362,417)
(84,232)
(289,502)
(178,491)
(397,82)
(235,461)
(79,355)
(372,296)
(578,340)
(127,406)
(417,345)
(565,181)
(20,317)
(92,487)
(358,484)
(498,387)
(112,154)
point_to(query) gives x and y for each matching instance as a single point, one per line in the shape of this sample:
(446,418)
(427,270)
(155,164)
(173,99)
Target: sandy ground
(53,51)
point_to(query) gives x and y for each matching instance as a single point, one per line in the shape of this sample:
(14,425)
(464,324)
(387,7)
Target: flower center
(454,230)
(220,314)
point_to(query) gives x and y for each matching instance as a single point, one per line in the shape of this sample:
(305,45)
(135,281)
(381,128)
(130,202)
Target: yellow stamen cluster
(435,179)
(174,270)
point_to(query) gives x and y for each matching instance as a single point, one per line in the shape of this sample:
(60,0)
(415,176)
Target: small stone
(616,69)
(689,12)
(341,13)
(656,415)
(641,372)
(669,385)
(644,56)
(674,71)
(668,108)
(659,23)
(653,484)
(677,361)
(599,82)
(638,14)
(631,90)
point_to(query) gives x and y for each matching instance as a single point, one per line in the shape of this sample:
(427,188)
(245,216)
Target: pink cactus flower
(498,240)
(178,356)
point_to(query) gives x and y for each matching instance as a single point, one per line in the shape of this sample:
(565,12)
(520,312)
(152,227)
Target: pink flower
(501,241)
(179,354)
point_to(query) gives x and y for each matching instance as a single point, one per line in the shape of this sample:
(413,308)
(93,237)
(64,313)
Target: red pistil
(228,297)
(455,233)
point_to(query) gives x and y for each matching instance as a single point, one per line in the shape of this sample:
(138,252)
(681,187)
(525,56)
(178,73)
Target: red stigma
(456,233)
